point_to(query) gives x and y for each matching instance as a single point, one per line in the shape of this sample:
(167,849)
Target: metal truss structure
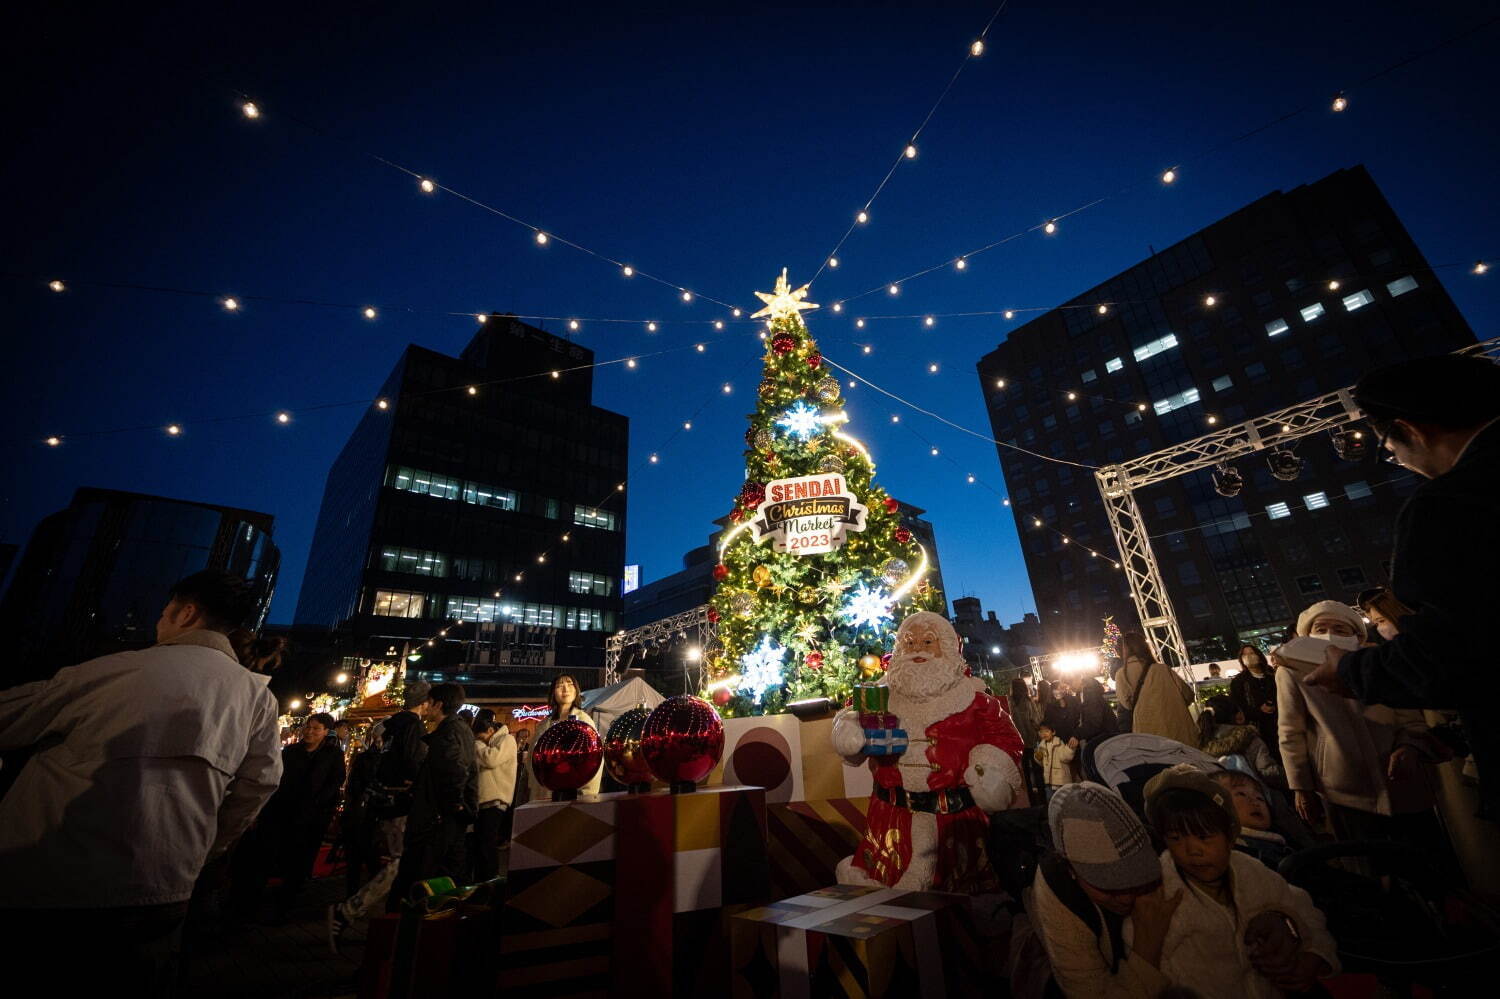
(1118,483)
(694,624)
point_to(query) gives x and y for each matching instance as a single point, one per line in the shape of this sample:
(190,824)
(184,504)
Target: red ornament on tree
(782,343)
(814,360)
(566,757)
(813,660)
(713,615)
(902,535)
(892,505)
(722,696)
(721,572)
(753,494)
(682,741)
(885,661)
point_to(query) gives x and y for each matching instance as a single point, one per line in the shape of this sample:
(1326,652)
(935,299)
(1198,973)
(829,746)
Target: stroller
(1410,925)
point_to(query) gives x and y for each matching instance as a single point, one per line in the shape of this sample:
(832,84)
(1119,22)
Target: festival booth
(605,704)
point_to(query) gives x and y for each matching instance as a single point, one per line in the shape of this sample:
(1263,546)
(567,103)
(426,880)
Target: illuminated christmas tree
(815,569)
(1110,647)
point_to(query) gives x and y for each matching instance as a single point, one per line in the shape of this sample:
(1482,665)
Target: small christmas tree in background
(1110,647)
(818,573)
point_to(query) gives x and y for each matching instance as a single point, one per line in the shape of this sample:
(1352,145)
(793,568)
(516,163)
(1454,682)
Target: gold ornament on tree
(828,389)
(808,595)
(869,666)
(762,576)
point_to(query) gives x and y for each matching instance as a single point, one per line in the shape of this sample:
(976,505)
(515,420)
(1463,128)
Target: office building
(95,576)
(1291,297)
(479,505)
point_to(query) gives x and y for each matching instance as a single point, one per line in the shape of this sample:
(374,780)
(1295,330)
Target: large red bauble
(567,755)
(781,343)
(722,696)
(622,748)
(683,740)
(892,504)
(721,572)
(814,360)
(902,535)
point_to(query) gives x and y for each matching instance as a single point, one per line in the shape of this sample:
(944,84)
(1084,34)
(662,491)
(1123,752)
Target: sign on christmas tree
(815,569)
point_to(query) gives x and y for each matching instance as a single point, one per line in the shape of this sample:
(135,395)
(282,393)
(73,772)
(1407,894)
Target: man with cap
(1097,901)
(1438,417)
(1240,929)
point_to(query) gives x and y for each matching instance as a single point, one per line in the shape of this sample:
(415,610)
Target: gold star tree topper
(783,302)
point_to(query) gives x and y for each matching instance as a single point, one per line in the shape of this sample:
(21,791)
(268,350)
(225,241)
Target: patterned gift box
(805,841)
(624,894)
(872,698)
(860,942)
(792,759)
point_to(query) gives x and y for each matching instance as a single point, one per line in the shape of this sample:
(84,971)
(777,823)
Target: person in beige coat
(563,700)
(1367,762)
(1156,696)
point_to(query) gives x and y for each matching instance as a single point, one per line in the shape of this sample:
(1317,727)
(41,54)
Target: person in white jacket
(495,755)
(1055,758)
(148,764)
(1240,930)
(563,700)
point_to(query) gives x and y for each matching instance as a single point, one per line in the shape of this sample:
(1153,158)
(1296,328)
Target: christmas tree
(815,569)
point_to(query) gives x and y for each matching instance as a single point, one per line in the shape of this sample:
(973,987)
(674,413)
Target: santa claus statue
(928,817)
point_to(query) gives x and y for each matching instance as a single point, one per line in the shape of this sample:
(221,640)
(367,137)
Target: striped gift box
(805,840)
(864,942)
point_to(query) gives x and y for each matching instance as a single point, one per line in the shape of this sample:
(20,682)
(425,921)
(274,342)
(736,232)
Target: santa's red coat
(962,864)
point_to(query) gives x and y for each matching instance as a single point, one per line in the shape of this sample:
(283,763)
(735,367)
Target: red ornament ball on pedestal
(892,505)
(902,535)
(622,750)
(783,343)
(721,572)
(682,741)
(566,757)
(722,696)
(815,360)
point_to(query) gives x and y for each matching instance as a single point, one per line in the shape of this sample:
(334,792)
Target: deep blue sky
(712,149)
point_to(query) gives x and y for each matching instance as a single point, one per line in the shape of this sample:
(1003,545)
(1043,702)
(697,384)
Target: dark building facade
(483,494)
(95,576)
(1293,296)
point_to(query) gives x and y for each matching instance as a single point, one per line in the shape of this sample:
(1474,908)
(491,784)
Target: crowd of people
(159,776)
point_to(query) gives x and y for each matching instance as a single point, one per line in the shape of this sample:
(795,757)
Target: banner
(809,514)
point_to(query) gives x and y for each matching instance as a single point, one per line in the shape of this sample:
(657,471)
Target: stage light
(1284,465)
(1227,480)
(1349,445)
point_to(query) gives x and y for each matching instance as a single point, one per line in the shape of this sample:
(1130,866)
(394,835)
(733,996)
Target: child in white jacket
(1239,929)
(1055,758)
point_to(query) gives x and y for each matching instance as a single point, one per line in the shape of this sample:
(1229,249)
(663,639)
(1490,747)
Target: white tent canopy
(605,704)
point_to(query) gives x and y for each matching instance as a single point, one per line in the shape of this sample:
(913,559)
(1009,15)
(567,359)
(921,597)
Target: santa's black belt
(945,802)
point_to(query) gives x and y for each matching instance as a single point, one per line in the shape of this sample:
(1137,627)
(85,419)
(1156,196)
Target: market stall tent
(605,704)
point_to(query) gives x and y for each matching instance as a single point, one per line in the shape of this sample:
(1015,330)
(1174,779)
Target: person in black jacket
(1063,712)
(445,797)
(1095,719)
(1438,417)
(1253,690)
(358,824)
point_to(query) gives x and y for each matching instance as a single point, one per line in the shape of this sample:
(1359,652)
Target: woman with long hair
(1027,715)
(1253,690)
(562,699)
(1156,696)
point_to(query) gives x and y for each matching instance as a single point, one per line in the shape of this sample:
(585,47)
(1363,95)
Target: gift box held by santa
(945,754)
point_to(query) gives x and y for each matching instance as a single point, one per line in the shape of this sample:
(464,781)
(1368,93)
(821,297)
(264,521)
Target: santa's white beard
(922,681)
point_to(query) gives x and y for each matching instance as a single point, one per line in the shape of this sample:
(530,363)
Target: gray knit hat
(1100,836)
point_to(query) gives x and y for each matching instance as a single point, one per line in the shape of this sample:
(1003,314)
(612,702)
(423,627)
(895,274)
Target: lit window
(1113,364)
(588,516)
(1178,401)
(1315,501)
(1088,376)
(1358,300)
(590,582)
(1223,382)
(1276,511)
(394,603)
(1401,286)
(1276,327)
(1312,312)
(1357,490)
(1155,347)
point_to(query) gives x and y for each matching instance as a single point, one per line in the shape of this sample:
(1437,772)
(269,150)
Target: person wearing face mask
(1368,763)
(1253,691)
(1440,418)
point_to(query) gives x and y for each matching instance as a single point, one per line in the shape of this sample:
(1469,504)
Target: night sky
(709,149)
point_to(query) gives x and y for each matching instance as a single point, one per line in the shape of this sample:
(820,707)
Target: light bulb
(932,369)
(250,110)
(862,217)
(929,321)
(369,312)
(1050,227)
(687,425)
(628,271)
(961,263)
(1072,396)
(1340,102)
(557,374)
(283,417)
(541,559)
(1333,286)
(481,317)
(653,459)
(1103,310)
(382,404)
(630,363)
(1169,176)
(473,389)
(568,536)
(573,324)
(58,286)
(911,151)
(294,704)
(700,348)
(620,487)
(1141,406)
(173,430)
(977,48)
(868,348)
(1066,540)
(1210,301)
(934,452)
(53,441)
(971,480)
(838,306)
(895,418)
(231,304)
(727,389)
(687,296)
(1480,267)
(833,261)
(1010,314)
(1212,420)
(718,324)
(1036,522)
(851,383)
(541,238)
(650,327)
(859,324)
(894,289)
(427,186)
(518,577)
(999,383)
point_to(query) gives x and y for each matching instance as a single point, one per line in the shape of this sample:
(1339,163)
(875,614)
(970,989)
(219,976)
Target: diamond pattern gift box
(857,942)
(629,894)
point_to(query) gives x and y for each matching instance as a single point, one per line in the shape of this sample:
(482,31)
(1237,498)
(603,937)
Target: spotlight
(1340,102)
(1285,465)
(1228,481)
(1349,445)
